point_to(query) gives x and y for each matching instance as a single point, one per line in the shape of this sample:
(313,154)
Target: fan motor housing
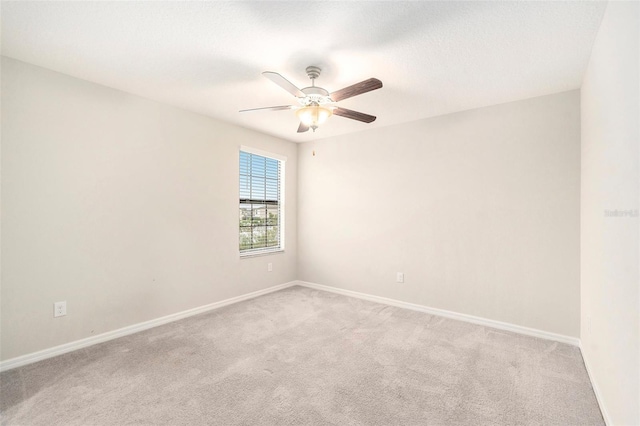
(315,95)
(314,90)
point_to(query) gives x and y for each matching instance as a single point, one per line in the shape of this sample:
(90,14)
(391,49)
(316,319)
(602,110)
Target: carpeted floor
(306,357)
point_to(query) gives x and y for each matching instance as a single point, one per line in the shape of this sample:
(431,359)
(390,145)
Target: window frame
(281,203)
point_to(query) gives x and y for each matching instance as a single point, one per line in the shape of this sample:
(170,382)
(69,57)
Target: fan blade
(303,128)
(356,89)
(284,83)
(354,115)
(273,108)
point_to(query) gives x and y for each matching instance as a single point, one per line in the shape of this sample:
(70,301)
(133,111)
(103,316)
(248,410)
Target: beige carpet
(306,357)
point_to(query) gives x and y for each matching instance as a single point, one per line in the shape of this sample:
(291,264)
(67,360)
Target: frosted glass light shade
(313,115)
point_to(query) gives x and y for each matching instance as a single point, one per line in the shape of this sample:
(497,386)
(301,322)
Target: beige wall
(123,207)
(479,209)
(609,245)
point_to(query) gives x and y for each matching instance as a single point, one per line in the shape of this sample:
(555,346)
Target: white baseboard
(110,335)
(574,341)
(596,390)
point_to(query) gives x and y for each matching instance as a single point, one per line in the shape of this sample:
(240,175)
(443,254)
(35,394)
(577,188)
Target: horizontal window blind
(260,215)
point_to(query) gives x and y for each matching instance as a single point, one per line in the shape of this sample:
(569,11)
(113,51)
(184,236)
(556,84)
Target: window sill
(260,253)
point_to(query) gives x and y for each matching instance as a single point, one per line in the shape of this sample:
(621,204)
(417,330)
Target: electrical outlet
(269,267)
(400,277)
(60,309)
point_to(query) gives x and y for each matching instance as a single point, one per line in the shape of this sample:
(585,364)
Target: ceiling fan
(316,103)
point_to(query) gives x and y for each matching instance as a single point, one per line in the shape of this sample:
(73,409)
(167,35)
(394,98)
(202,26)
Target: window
(261,206)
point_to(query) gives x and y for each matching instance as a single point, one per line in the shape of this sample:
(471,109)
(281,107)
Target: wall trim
(596,390)
(574,341)
(131,329)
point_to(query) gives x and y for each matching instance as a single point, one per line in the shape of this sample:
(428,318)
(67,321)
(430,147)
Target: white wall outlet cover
(400,277)
(59,309)
(269,266)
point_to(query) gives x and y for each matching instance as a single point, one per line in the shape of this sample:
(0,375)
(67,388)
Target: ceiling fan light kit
(316,103)
(313,115)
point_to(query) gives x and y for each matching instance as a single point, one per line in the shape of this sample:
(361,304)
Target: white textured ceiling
(433,57)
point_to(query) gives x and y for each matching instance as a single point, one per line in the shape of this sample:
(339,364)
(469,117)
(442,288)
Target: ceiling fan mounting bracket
(313,72)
